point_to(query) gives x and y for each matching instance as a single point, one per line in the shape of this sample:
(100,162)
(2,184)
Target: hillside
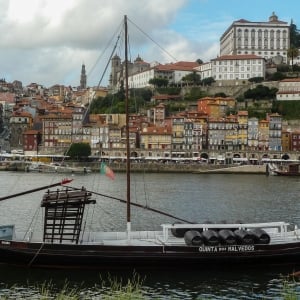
(257,99)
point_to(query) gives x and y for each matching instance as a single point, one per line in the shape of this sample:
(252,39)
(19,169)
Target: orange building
(215,106)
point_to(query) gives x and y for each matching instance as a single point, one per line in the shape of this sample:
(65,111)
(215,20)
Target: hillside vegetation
(140,102)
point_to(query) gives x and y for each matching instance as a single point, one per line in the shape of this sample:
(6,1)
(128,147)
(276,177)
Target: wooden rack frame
(64,210)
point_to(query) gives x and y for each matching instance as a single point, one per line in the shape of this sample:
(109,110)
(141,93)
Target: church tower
(116,68)
(83,78)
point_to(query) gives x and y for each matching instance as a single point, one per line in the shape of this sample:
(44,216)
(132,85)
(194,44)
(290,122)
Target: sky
(47,41)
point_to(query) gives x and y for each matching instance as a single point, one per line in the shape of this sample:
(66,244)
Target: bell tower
(83,78)
(115,70)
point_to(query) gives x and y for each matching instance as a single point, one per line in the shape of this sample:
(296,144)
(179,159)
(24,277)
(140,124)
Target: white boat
(56,168)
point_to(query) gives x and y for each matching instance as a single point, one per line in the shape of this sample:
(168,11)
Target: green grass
(109,289)
(116,289)
(289,289)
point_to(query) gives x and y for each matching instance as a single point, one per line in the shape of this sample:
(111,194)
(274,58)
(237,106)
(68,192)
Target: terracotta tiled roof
(179,66)
(158,130)
(7,97)
(242,21)
(243,113)
(290,80)
(288,92)
(236,57)
(54,116)
(165,97)
(22,114)
(31,131)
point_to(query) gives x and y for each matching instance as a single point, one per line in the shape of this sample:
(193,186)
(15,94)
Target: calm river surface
(196,197)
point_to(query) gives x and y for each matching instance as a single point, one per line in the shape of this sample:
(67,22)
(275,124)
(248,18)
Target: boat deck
(277,231)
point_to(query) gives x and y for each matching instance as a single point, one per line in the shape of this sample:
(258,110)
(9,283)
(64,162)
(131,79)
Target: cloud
(46,41)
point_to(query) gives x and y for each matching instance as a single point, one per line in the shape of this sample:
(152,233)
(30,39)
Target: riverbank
(244,169)
(152,167)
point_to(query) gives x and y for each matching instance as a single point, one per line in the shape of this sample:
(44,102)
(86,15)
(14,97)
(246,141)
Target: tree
(208,81)
(79,150)
(199,61)
(159,82)
(294,36)
(256,79)
(194,94)
(221,95)
(292,53)
(260,92)
(193,78)
(277,76)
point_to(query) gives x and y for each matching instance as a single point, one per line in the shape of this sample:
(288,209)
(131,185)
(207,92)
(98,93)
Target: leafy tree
(240,98)
(294,36)
(222,95)
(288,109)
(260,92)
(294,42)
(253,113)
(144,94)
(199,61)
(292,53)
(277,76)
(102,105)
(273,92)
(208,81)
(194,94)
(283,68)
(159,82)
(193,78)
(296,68)
(79,150)
(256,79)
(169,90)
(96,104)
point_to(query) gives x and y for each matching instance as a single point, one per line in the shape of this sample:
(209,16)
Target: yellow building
(242,119)
(263,136)
(286,141)
(156,138)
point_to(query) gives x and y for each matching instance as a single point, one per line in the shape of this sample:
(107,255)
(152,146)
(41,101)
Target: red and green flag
(104,169)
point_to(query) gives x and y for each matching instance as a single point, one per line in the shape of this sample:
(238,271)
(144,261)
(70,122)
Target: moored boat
(292,169)
(65,244)
(55,168)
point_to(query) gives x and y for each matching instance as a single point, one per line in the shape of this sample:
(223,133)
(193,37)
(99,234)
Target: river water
(195,197)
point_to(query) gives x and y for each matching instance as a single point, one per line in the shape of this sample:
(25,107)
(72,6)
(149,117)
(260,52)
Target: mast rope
(151,39)
(137,205)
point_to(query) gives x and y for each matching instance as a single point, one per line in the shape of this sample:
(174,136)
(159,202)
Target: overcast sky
(46,41)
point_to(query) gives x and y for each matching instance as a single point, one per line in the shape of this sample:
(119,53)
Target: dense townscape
(39,120)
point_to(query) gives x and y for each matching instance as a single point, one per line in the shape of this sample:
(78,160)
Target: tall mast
(127,127)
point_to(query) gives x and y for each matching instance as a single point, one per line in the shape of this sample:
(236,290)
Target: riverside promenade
(155,167)
(244,169)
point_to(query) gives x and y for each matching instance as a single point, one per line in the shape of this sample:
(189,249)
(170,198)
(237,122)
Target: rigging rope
(137,205)
(150,38)
(109,43)
(93,97)
(32,224)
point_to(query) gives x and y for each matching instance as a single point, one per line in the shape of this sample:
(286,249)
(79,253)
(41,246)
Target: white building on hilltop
(266,39)
(233,68)
(289,89)
(238,67)
(173,72)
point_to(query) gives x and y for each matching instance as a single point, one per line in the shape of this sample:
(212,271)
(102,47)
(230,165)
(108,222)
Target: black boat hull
(145,257)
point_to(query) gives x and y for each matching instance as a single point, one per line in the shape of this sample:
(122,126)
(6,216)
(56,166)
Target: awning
(240,159)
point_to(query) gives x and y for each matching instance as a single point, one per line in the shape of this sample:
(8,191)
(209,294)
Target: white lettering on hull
(236,248)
